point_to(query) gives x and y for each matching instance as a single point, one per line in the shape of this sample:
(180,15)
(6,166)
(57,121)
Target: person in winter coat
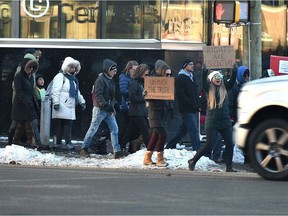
(138,112)
(217,115)
(243,75)
(156,112)
(24,107)
(103,109)
(124,83)
(65,95)
(14,123)
(188,103)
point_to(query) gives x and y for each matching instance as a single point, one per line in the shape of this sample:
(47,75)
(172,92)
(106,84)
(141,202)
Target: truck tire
(268,149)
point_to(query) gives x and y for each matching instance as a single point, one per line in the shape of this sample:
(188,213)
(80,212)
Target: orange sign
(161,88)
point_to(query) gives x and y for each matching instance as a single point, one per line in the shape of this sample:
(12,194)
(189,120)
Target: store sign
(35,8)
(80,14)
(161,88)
(5,12)
(217,57)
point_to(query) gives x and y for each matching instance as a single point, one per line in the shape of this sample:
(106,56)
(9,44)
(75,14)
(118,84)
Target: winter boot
(119,154)
(160,160)
(84,153)
(18,134)
(147,158)
(11,135)
(29,133)
(191,164)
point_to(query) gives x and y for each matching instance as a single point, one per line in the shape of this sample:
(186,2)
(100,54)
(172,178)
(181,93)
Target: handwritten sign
(161,88)
(219,56)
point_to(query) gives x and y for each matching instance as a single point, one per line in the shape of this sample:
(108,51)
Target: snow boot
(147,158)
(160,160)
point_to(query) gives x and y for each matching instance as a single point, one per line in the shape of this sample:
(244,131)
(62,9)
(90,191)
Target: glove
(83,105)
(117,107)
(108,108)
(144,93)
(235,68)
(56,106)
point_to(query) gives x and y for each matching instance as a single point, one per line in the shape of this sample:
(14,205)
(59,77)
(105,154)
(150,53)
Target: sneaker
(84,153)
(119,154)
(70,146)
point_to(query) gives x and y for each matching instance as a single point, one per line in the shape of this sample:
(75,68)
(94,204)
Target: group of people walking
(141,119)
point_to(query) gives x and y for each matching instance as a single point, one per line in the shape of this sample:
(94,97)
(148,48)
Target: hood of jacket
(240,73)
(160,66)
(68,62)
(28,63)
(108,64)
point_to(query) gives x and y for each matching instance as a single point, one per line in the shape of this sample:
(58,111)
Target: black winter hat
(186,61)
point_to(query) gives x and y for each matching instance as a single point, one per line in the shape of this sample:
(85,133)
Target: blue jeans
(97,117)
(190,125)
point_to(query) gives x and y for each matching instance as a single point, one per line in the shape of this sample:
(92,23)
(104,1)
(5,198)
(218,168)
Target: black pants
(211,138)
(64,129)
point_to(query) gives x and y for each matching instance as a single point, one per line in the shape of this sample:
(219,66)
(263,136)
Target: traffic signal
(227,12)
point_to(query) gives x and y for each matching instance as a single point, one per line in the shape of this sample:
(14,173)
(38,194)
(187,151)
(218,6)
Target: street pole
(255,34)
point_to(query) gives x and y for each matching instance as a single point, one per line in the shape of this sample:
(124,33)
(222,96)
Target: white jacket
(60,93)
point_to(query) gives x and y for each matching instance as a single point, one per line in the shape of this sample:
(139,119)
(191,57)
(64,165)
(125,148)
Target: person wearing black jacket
(188,104)
(138,112)
(217,115)
(25,107)
(103,109)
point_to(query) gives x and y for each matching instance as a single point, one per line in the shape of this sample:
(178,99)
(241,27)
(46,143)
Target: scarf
(190,75)
(73,92)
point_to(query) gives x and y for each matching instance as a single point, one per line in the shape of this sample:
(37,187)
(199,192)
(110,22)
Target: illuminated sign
(244,12)
(226,12)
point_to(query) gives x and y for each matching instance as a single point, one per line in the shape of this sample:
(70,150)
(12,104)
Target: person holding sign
(217,115)
(188,103)
(156,121)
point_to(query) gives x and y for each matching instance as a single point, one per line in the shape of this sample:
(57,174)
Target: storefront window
(5,19)
(131,20)
(183,20)
(220,37)
(90,19)
(274,28)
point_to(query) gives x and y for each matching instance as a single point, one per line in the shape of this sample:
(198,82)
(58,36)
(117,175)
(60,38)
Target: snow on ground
(177,159)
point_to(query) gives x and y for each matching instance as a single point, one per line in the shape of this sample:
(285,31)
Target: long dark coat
(24,105)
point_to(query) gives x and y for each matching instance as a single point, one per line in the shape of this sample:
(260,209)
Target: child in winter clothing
(217,115)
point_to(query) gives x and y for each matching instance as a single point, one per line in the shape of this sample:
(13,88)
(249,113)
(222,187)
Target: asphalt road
(48,190)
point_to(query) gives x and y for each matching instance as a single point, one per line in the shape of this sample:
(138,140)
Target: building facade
(142,30)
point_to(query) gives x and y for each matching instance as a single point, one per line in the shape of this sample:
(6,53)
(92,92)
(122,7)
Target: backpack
(49,89)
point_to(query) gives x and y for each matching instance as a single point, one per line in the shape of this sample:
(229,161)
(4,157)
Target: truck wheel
(268,149)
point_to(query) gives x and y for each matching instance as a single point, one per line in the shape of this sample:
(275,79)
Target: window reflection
(5,19)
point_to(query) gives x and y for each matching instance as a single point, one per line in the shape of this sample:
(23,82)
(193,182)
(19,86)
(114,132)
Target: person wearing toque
(188,103)
(103,109)
(217,115)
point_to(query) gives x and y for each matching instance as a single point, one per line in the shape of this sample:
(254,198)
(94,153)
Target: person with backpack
(103,109)
(65,95)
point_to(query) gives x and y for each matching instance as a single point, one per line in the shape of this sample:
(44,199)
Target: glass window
(59,19)
(183,20)
(5,19)
(131,19)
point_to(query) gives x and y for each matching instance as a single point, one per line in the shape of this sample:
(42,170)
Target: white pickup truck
(262,127)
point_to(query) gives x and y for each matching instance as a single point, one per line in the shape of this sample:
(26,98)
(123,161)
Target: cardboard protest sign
(161,88)
(219,56)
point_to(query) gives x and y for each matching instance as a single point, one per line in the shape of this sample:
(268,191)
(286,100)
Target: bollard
(45,121)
